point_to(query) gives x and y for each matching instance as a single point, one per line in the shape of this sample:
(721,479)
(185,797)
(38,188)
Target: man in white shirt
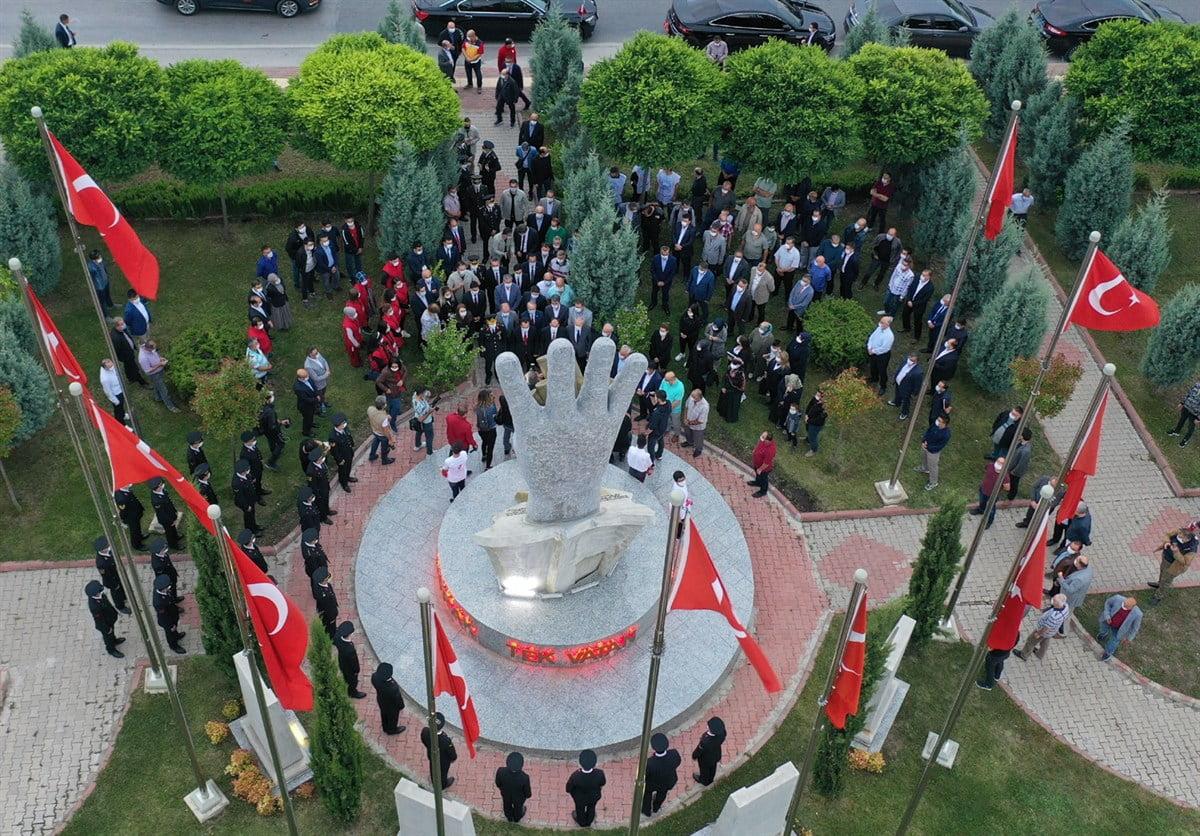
(879,353)
(638,459)
(110,381)
(455,470)
(787,262)
(898,284)
(668,181)
(695,421)
(1022,201)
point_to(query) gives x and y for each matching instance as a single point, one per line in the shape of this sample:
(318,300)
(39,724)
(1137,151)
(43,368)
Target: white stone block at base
(890,495)
(948,754)
(156,684)
(418,816)
(250,730)
(206,804)
(759,809)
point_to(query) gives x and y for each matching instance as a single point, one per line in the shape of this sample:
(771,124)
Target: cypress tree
(218,623)
(987,270)
(1051,150)
(574,150)
(29,230)
(586,191)
(563,114)
(1012,326)
(870,29)
(1098,191)
(32,37)
(936,565)
(23,374)
(1173,352)
(442,160)
(947,187)
(337,749)
(557,49)
(410,206)
(1141,244)
(1009,62)
(400,27)
(605,264)
(1033,111)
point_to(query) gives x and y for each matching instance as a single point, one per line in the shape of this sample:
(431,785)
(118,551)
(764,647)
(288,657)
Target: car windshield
(539,5)
(1149,10)
(962,10)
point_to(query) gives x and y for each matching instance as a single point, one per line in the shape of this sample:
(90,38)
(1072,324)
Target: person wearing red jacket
(352,336)
(258,331)
(458,429)
(506,53)
(354,300)
(393,271)
(764,463)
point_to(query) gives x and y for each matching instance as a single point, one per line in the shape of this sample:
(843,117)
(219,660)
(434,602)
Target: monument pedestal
(890,494)
(889,692)
(759,809)
(418,816)
(206,803)
(250,731)
(156,683)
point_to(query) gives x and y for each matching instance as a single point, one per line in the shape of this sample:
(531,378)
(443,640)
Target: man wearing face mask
(881,196)
(988,485)
(885,253)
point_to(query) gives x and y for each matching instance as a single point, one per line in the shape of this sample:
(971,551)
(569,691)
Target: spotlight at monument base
(519,586)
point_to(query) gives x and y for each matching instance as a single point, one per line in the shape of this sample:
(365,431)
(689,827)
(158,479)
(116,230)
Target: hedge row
(280,197)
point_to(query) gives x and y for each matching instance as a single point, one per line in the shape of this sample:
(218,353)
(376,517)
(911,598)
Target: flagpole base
(891,494)
(156,683)
(947,631)
(948,754)
(206,802)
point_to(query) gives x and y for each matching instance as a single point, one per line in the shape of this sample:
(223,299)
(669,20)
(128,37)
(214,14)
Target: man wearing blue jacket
(700,288)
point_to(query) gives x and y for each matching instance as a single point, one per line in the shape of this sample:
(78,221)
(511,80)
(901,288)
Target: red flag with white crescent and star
(1106,301)
(1083,465)
(65,364)
(697,586)
(131,459)
(847,687)
(89,205)
(1000,197)
(1026,591)
(448,679)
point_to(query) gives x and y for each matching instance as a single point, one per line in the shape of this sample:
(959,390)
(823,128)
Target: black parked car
(494,20)
(283,8)
(947,25)
(747,23)
(1065,24)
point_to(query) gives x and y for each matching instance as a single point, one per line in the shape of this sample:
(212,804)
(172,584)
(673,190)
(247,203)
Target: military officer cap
(158,545)
(345,630)
(100,543)
(306,493)
(249,435)
(201,470)
(440,719)
(321,574)
(157,482)
(195,437)
(384,670)
(316,455)
(659,743)
(162,584)
(242,466)
(93,588)
(311,535)
(716,725)
(587,759)
(339,418)
(245,536)
(515,761)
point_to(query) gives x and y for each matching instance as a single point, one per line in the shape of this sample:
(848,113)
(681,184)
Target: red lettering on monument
(456,609)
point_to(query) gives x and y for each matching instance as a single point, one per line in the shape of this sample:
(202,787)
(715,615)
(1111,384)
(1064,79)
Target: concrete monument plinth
(206,802)
(250,731)
(889,693)
(948,754)
(156,683)
(890,494)
(418,817)
(759,809)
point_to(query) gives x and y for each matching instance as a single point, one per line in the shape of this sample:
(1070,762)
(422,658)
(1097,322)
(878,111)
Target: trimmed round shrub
(200,348)
(839,329)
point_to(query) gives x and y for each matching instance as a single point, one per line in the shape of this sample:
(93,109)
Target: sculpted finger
(560,376)
(596,375)
(512,383)
(621,391)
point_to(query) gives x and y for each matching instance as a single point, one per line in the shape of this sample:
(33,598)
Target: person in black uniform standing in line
(164,510)
(131,511)
(306,447)
(203,476)
(514,786)
(106,565)
(104,616)
(585,788)
(306,509)
(325,598)
(708,751)
(662,773)
(446,752)
(249,545)
(312,551)
(168,612)
(160,562)
(348,659)
(389,699)
(250,454)
(341,445)
(271,426)
(244,495)
(195,451)
(318,480)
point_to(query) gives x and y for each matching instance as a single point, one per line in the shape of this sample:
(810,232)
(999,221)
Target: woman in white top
(430,323)
(455,470)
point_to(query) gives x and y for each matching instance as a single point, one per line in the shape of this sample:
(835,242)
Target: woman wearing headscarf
(733,388)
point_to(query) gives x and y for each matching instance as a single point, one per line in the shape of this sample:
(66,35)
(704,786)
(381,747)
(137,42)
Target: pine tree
(29,230)
(10,421)
(1032,113)
(1141,244)
(997,342)
(586,191)
(870,29)
(219,630)
(557,50)
(1173,352)
(337,749)
(1050,140)
(442,160)
(605,264)
(410,205)
(987,270)
(947,187)
(1009,62)
(400,27)
(575,149)
(563,115)
(32,37)
(23,374)
(1098,191)
(936,565)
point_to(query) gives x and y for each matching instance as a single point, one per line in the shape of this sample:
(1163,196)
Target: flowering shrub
(306,790)
(231,710)
(872,762)
(217,732)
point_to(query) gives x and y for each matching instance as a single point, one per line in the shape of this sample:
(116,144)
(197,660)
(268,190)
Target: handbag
(414,425)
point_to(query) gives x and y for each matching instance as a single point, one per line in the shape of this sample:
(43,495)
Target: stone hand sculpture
(564,446)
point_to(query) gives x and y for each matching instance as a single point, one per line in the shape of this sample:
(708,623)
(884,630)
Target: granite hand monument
(568,531)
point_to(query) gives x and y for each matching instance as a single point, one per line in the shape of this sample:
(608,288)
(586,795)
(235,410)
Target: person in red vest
(258,331)
(506,53)
(764,463)
(458,429)
(393,271)
(352,335)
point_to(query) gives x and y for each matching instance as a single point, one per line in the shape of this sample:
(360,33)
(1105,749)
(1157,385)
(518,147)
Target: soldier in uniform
(341,445)
(203,476)
(491,345)
(306,447)
(389,698)
(446,753)
(514,787)
(106,565)
(348,659)
(271,426)
(245,496)
(707,753)
(325,599)
(306,509)
(318,480)
(585,786)
(104,616)
(311,551)
(250,454)
(195,451)
(662,773)
(249,545)
(160,562)
(164,510)
(131,511)
(168,612)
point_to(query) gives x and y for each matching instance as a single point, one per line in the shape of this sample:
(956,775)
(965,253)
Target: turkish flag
(1083,465)
(847,687)
(89,205)
(448,679)
(65,364)
(1026,591)
(1106,301)
(130,459)
(697,586)
(1000,197)
(281,630)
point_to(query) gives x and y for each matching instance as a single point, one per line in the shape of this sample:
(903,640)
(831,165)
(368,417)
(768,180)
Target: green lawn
(201,271)
(1158,651)
(1011,776)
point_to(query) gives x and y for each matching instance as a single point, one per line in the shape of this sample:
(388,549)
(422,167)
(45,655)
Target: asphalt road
(265,40)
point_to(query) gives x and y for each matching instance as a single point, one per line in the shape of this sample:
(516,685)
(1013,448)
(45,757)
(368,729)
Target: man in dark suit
(454,232)
(513,784)
(735,268)
(885,252)
(446,753)
(307,400)
(549,334)
(662,773)
(701,282)
(127,351)
(531,271)
(741,308)
(1004,430)
(508,291)
(908,383)
(538,222)
(63,32)
(523,342)
(945,362)
(532,131)
(556,309)
(585,786)
(848,270)
(661,345)
(453,36)
(941,403)
(663,269)
(683,235)
(935,320)
(448,255)
(581,338)
(958,332)
(416,261)
(646,387)
(476,302)
(916,300)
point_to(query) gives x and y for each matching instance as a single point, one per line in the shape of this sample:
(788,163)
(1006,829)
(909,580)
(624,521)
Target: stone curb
(33,565)
(1145,682)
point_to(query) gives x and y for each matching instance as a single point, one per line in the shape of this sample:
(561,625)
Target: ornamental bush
(337,749)
(936,566)
(410,205)
(29,230)
(839,329)
(1058,384)
(1009,62)
(449,357)
(218,622)
(987,270)
(227,400)
(632,323)
(1173,352)
(277,197)
(32,37)
(1148,74)
(947,188)
(789,111)
(997,342)
(10,422)
(1049,139)
(1098,189)
(104,105)
(400,27)
(200,348)
(918,103)
(557,50)
(1141,243)
(23,375)
(605,264)
(652,102)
